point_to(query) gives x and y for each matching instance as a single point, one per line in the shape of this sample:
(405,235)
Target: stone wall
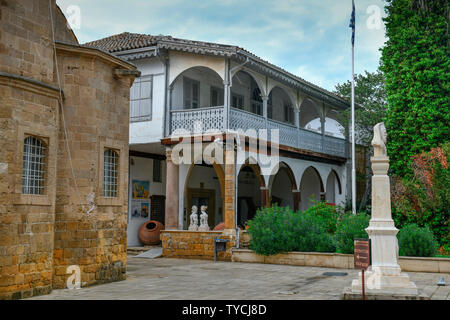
(97,107)
(194,244)
(42,234)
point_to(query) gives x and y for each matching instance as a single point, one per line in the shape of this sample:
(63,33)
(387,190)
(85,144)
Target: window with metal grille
(157,170)
(33,167)
(110,173)
(141,99)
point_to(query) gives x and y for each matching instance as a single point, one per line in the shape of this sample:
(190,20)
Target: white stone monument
(193,219)
(203,219)
(384,276)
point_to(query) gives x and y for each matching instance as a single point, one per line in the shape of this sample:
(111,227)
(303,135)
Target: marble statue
(194,219)
(379,140)
(203,219)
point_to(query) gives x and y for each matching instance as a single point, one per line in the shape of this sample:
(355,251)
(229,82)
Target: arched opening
(282,183)
(204,186)
(249,199)
(310,116)
(245,93)
(280,106)
(197,87)
(311,188)
(332,125)
(333,187)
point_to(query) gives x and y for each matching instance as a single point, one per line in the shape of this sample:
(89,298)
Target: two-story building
(211,92)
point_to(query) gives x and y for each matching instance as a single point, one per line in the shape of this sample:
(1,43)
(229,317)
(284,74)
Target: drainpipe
(165,62)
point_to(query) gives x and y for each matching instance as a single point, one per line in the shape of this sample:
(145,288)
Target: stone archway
(246,93)
(281,106)
(333,186)
(204,185)
(311,188)
(252,192)
(283,187)
(196,87)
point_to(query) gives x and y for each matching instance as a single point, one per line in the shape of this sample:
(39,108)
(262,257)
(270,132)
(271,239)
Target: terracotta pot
(149,232)
(220,226)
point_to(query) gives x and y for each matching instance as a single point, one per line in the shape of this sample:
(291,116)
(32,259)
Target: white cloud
(309,38)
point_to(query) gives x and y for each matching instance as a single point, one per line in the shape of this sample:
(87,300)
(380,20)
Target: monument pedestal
(383,279)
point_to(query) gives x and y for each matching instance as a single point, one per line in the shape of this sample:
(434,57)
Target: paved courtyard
(165,278)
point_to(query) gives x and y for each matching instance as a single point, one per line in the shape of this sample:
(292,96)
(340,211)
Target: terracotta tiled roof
(123,41)
(127,41)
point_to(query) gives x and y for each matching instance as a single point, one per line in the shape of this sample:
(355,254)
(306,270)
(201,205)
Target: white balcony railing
(196,121)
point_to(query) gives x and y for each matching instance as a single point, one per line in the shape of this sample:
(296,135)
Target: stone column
(230,189)
(265,201)
(264,100)
(384,276)
(296,195)
(172,193)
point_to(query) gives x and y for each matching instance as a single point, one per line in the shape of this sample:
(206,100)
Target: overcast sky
(309,38)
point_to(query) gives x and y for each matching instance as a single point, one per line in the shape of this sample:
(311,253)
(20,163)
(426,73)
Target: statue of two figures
(203,219)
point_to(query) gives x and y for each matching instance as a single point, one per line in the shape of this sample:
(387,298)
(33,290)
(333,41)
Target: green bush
(326,215)
(348,228)
(277,229)
(417,242)
(310,234)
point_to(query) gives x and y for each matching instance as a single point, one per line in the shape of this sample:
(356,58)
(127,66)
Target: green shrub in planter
(348,228)
(310,234)
(416,242)
(327,215)
(275,230)
(271,231)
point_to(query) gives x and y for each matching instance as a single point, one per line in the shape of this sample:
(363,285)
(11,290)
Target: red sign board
(362,259)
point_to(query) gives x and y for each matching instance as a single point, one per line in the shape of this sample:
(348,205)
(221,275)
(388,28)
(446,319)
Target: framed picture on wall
(140,189)
(145,209)
(135,209)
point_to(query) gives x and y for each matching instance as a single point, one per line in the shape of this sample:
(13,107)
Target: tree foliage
(424,199)
(415,61)
(370,99)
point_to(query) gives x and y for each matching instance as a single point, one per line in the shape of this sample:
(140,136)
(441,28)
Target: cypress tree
(416,63)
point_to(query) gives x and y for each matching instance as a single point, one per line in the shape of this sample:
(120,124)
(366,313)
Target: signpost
(362,258)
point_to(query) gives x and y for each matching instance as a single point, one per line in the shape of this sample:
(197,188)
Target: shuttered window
(141,99)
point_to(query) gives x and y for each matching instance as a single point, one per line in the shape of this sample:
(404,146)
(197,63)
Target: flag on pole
(352,22)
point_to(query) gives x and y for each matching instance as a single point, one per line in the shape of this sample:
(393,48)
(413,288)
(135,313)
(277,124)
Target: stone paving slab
(180,279)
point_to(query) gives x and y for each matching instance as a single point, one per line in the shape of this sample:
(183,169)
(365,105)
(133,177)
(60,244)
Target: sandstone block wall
(97,109)
(194,244)
(41,235)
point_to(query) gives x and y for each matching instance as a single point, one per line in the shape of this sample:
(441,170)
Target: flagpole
(353,112)
(353,134)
